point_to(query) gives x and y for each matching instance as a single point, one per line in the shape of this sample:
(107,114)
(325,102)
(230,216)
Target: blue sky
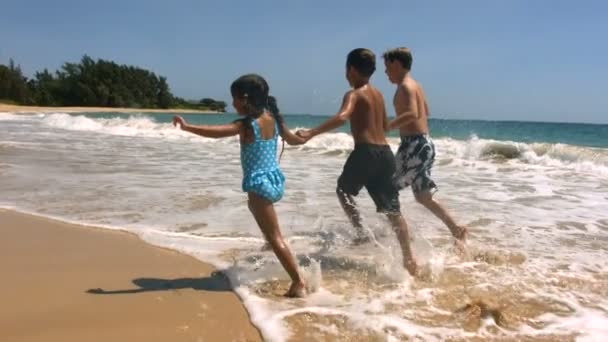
(536,60)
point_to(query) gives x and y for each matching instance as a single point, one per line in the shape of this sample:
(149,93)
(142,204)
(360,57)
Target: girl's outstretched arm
(289,137)
(209,131)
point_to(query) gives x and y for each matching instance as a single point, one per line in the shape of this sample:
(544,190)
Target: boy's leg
(426,198)
(350,209)
(403,236)
(415,160)
(387,201)
(266,217)
(350,182)
(385,195)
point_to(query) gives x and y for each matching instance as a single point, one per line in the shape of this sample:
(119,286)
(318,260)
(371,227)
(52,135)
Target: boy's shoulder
(363,90)
(409,84)
(351,95)
(363,95)
(406,88)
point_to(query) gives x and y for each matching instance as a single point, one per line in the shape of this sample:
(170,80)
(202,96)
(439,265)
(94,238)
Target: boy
(371,164)
(416,152)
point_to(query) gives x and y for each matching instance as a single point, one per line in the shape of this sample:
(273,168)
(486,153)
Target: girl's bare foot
(296,290)
(411,266)
(460,233)
(461,249)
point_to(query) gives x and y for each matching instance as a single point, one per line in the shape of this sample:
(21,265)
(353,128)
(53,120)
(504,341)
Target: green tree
(165,99)
(207,102)
(43,88)
(219,106)
(5,82)
(94,83)
(13,86)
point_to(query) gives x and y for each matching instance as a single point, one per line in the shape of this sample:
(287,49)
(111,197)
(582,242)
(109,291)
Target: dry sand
(144,293)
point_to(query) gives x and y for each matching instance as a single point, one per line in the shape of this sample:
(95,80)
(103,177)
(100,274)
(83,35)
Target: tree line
(99,83)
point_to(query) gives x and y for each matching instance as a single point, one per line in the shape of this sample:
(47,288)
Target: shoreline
(66,282)
(18,109)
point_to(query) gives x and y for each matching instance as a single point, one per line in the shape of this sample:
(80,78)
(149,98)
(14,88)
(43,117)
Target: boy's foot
(296,290)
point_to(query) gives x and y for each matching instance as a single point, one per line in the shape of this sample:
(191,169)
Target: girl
(262,178)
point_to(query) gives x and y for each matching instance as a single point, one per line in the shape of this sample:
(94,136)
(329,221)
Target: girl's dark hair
(255,89)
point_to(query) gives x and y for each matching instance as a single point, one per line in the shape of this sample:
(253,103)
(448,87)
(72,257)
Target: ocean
(534,196)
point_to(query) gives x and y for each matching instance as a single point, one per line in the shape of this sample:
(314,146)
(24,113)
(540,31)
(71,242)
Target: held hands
(391,125)
(305,134)
(178,120)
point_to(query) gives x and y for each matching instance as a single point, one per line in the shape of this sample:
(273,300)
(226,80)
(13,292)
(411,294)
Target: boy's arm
(426,104)
(290,138)
(406,108)
(209,131)
(385,122)
(348,106)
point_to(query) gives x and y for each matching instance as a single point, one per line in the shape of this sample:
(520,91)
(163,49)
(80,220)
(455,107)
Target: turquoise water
(590,135)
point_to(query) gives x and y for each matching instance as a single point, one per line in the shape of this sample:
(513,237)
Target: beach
(534,201)
(63,282)
(6,108)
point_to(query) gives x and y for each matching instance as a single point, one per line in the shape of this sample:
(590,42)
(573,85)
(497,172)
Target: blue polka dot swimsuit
(261,172)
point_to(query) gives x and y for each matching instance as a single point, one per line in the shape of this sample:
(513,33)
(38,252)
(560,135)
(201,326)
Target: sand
(63,282)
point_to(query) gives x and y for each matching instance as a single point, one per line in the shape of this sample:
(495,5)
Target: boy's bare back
(368,120)
(410,97)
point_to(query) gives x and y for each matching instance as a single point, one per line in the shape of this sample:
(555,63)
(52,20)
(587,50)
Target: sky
(529,60)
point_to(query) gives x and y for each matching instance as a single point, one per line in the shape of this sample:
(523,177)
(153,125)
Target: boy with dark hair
(371,164)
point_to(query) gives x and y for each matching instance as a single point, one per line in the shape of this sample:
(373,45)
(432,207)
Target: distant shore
(37,109)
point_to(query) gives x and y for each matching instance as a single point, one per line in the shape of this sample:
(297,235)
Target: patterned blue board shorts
(414,160)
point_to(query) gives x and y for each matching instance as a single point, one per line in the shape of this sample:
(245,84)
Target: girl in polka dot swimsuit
(262,178)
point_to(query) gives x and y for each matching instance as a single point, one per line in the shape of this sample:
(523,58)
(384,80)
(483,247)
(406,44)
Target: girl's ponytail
(274,110)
